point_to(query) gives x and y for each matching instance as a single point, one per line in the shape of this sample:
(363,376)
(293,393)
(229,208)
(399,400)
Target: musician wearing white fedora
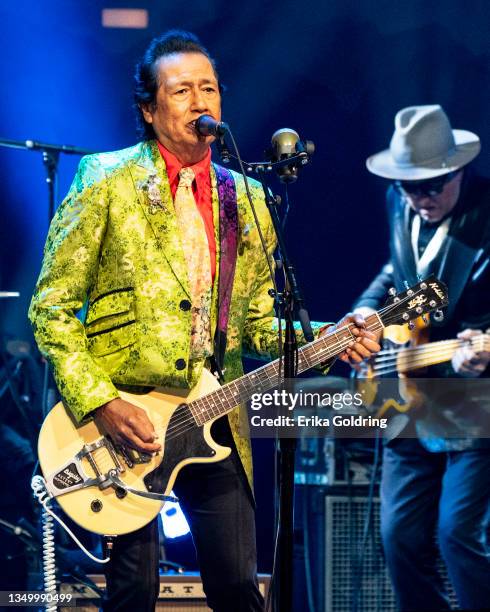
(437,481)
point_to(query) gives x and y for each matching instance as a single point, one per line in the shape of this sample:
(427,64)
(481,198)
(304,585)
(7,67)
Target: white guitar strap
(432,248)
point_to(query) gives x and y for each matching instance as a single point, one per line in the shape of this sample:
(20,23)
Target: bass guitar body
(112,511)
(395,339)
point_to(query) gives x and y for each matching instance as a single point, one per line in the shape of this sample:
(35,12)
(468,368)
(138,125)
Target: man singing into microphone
(156,238)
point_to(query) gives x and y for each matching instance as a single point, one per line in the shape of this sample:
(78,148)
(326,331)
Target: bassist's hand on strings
(466,361)
(127,424)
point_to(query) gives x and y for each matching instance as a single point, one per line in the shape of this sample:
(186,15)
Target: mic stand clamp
(301,159)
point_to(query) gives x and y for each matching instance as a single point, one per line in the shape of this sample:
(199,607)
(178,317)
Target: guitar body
(102,511)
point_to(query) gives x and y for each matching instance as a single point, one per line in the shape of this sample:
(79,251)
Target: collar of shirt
(174,166)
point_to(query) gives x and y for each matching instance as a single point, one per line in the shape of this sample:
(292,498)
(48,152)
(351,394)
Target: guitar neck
(267,377)
(429,354)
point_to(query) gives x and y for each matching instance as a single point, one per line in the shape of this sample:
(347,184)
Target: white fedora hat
(424,146)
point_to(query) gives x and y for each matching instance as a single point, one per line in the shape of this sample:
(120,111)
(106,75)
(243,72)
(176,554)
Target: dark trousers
(219,506)
(425,494)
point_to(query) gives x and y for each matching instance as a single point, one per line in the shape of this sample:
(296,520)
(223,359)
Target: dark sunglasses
(429,187)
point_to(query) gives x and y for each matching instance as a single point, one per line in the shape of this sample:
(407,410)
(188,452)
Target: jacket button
(185,305)
(180,364)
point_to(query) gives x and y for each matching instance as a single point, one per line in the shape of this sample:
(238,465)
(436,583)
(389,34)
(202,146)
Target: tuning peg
(438,315)
(423,286)
(411,326)
(392,293)
(425,319)
(419,310)
(405,316)
(419,278)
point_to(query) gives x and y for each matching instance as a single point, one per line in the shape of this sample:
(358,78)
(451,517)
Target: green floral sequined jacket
(114,247)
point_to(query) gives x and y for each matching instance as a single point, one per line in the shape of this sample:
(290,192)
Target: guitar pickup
(131,456)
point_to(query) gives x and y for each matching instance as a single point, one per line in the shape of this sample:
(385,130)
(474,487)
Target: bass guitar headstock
(427,296)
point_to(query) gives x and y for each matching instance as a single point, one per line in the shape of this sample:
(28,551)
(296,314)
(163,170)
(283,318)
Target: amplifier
(344,524)
(178,593)
(330,462)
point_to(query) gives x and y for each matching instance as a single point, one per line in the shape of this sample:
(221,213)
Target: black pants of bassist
(219,507)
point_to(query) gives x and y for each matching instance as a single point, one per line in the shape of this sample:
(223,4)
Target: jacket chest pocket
(110,322)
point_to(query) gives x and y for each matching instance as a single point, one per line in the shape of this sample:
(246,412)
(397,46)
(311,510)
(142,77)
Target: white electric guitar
(112,490)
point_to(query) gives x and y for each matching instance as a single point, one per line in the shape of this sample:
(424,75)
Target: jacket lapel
(404,260)
(455,261)
(150,181)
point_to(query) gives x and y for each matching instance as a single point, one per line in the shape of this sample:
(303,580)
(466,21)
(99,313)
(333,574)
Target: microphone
(207,126)
(286,143)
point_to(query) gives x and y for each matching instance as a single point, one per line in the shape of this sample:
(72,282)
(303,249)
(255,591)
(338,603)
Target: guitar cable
(38,485)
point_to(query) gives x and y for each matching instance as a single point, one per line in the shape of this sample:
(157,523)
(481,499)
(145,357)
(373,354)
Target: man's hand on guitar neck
(366,343)
(127,424)
(465,360)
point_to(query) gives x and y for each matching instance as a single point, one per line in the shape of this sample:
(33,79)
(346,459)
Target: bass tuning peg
(438,315)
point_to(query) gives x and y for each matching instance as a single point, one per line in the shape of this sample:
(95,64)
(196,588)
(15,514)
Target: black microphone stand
(51,154)
(293,303)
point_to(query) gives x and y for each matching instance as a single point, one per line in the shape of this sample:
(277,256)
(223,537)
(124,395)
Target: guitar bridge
(102,458)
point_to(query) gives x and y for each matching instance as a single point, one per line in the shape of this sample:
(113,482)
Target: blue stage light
(175,524)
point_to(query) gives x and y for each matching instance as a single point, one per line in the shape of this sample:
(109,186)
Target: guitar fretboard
(226,398)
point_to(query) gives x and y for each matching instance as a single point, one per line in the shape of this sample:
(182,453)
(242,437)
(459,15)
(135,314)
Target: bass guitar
(405,359)
(407,353)
(112,490)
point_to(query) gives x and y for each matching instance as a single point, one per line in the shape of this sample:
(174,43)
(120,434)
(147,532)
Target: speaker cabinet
(344,526)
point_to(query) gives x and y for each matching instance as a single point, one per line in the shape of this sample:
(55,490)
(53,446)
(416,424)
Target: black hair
(146,74)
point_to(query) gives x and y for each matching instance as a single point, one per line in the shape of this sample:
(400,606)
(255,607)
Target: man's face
(187,89)
(432,206)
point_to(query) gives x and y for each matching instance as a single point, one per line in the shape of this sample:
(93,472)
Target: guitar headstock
(426,296)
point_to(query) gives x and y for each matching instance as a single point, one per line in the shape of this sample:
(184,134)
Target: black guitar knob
(96,505)
(121,493)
